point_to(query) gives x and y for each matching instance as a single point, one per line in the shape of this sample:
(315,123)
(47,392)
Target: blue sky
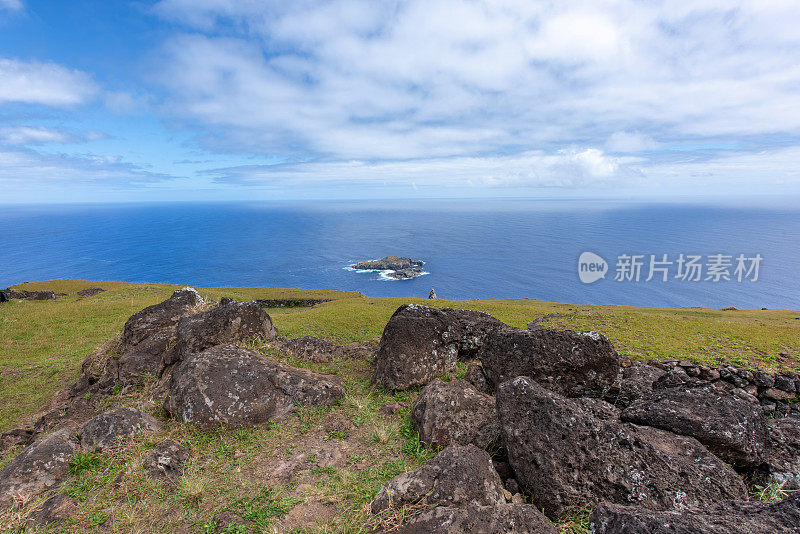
(226,100)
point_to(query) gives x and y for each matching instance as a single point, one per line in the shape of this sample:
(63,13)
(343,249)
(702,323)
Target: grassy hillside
(316,470)
(42,343)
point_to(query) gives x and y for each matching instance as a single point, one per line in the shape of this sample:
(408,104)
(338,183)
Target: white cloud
(438,84)
(33,135)
(13,5)
(566,168)
(43,83)
(25,166)
(630,142)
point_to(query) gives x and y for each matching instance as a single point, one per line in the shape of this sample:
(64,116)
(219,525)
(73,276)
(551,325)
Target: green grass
(44,342)
(237,473)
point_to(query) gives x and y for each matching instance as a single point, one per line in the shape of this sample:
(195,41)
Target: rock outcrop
(455,412)
(405,274)
(149,335)
(460,476)
(102,431)
(233,386)
(500,519)
(90,292)
(729,426)
(570,363)
(313,349)
(232,322)
(41,466)
(163,315)
(389,263)
(420,343)
(477,377)
(733,517)
(635,381)
(563,454)
(781,467)
(167,461)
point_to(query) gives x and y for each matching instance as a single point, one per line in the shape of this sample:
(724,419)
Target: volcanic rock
(460,476)
(570,363)
(233,386)
(563,454)
(420,343)
(455,412)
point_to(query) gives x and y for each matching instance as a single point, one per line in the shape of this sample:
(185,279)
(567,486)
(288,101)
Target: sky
(242,99)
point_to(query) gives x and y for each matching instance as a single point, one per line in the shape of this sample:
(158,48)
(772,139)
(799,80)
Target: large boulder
(146,358)
(458,476)
(733,517)
(420,343)
(41,466)
(500,519)
(149,337)
(575,364)
(636,380)
(564,454)
(232,322)
(113,425)
(163,315)
(729,426)
(781,465)
(233,386)
(455,412)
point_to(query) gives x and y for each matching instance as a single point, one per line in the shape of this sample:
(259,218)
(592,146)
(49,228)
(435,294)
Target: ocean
(471,249)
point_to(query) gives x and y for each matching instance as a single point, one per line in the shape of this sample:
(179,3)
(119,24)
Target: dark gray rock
(729,426)
(59,507)
(389,263)
(782,457)
(40,467)
(167,461)
(636,380)
(785,383)
(235,322)
(455,412)
(42,295)
(477,377)
(233,386)
(405,274)
(503,518)
(563,454)
(104,430)
(432,295)
(570,363)
(146,358)
(313,349)
(761,379)
(733,517)
(460,476)
(11,294)
(145,323)
(15,437)
(420,343)
(90,292)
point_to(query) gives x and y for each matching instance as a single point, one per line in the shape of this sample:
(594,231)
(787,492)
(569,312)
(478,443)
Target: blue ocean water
(472,249)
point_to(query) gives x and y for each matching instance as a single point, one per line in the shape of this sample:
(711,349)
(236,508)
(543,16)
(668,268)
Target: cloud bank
(542,92)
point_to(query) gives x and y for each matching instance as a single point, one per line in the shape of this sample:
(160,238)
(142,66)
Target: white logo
(591,267)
